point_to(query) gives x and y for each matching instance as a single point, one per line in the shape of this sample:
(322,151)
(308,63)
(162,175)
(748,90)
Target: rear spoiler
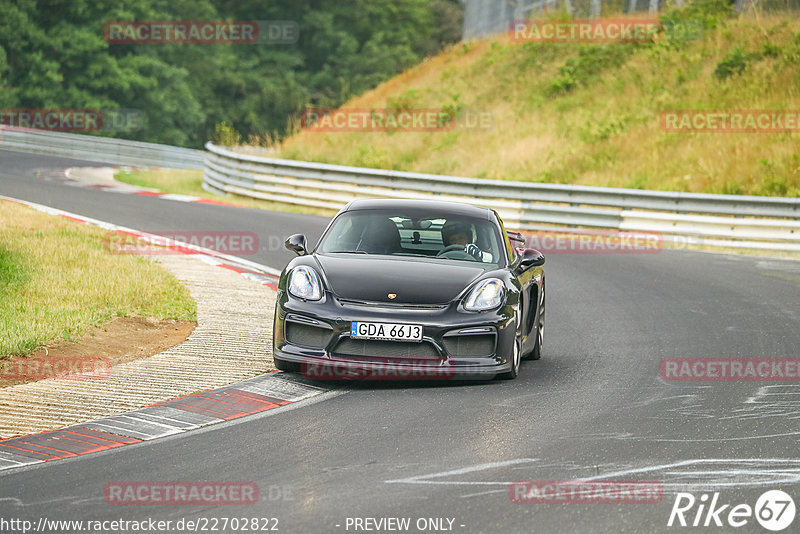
(517,239)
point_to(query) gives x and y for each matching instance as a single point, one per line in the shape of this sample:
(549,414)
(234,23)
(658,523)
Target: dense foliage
(53,54)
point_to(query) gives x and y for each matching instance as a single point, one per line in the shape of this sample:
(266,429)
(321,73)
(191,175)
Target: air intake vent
(307,335)
(385,349)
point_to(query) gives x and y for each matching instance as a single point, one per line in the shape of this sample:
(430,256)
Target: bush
(733,63)
(691,22)
(589,61)
(226,135)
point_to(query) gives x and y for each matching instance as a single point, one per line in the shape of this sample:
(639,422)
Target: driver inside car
(460,233)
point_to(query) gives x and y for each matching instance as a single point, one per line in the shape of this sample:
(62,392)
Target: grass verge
(57,279)
(190,182)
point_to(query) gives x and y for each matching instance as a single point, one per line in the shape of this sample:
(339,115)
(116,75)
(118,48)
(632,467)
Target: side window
(510,250)
(486,241)
(349,235)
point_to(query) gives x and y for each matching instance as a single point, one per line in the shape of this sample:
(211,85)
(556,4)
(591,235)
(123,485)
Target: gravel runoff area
(232,342)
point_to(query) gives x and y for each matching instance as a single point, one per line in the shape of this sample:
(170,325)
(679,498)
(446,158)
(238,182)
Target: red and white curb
(173,196)
(65,177)
(255,395)
(261,273)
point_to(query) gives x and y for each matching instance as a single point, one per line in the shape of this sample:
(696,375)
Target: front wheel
(536,353)
(515,359)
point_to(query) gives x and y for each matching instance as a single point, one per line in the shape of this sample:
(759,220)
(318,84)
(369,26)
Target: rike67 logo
(774,510)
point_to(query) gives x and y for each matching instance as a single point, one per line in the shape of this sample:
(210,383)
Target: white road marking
(424,479)
(179,198)
(467,496)
(757,472)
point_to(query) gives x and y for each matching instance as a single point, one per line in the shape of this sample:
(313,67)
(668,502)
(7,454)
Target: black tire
(289,367)
(536,353)
(516,357)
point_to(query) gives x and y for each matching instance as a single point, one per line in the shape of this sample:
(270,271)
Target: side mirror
(531,258)
(297,244)
(516,238)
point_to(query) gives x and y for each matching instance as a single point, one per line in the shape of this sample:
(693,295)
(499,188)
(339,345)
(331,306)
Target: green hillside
(583,113)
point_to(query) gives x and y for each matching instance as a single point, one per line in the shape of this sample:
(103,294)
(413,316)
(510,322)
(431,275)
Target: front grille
(348,347)
(470,346)
(307,335)
(390,305)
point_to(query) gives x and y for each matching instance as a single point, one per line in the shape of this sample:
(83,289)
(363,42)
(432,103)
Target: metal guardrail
(99,149)
(723,220)
(720,220)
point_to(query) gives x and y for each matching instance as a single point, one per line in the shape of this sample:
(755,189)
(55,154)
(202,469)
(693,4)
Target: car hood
(414,281)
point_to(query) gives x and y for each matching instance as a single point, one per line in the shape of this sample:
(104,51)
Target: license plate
(386,331)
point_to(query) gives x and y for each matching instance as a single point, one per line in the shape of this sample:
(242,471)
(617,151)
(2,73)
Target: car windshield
(430,235)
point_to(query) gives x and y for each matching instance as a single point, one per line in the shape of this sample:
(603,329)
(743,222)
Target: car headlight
(304,283)
(486,295)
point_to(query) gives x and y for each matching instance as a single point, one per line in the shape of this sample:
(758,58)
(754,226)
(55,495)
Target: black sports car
(410,289)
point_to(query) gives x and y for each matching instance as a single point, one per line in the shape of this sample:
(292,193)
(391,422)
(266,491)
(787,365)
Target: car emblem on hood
(391,296)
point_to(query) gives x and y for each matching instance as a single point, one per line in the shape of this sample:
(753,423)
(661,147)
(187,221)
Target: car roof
(446,208)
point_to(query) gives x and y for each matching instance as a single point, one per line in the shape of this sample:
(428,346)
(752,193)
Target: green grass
(57,279)
(589,114)
(182,182)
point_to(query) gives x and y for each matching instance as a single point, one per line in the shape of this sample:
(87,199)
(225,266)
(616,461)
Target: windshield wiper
(348,252)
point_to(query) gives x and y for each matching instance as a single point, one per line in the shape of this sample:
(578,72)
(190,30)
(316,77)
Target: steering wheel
(461,252)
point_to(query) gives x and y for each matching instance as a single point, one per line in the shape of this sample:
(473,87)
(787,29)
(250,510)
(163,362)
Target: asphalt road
(594,407)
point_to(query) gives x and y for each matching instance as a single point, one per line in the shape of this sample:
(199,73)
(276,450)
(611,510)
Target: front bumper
(456,344)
